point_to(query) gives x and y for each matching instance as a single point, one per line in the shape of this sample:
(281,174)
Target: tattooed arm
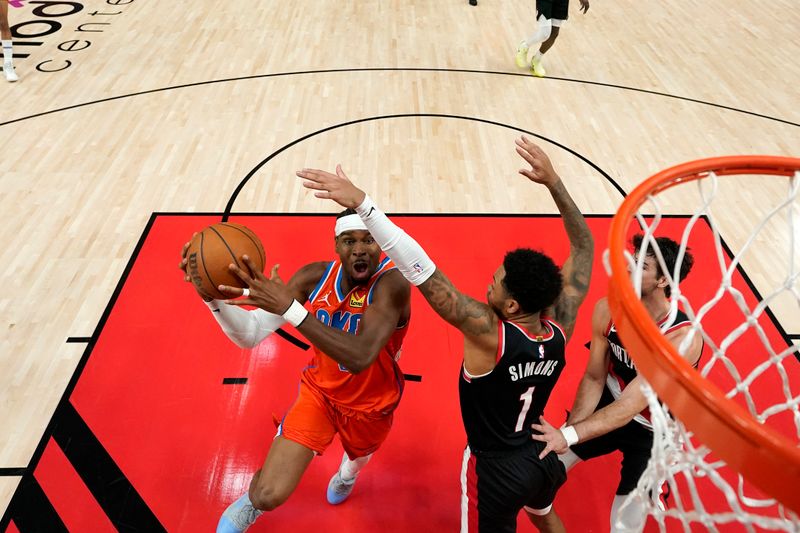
(577,269)
(476,320)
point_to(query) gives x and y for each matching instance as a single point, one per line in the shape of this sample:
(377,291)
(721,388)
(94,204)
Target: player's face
(496,294)
(359,253)
(650,278)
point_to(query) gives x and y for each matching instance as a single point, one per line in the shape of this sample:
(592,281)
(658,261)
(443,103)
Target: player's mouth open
(360,266)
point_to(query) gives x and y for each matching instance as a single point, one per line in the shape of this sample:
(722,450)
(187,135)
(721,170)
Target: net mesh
(747,355)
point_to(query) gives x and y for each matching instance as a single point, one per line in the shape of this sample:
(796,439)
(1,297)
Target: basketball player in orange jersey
(360,310)
(610,410)
(5,37)
(513,349)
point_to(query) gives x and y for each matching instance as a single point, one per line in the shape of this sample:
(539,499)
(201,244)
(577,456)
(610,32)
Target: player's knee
(267,497)
(554,32)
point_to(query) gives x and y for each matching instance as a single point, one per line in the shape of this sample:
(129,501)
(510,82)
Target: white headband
(348,223)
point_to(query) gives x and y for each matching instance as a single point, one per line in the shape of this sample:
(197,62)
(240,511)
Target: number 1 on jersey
(526,398)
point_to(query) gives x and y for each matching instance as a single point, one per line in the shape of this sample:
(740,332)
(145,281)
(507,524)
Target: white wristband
(570,435)
(295,314)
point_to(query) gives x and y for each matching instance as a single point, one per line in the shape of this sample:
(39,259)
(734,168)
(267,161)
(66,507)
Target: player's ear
(512,306)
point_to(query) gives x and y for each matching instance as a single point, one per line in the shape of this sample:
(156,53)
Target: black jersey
(499,407)
(621,369)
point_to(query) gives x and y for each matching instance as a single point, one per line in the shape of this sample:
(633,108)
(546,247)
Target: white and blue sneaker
(338,488)
(238,516)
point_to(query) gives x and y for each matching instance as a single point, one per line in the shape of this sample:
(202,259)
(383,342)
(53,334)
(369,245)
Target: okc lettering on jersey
(532,368)
(621,354)
(344,321)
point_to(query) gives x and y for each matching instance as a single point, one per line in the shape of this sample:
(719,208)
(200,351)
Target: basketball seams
(253,238)
(203,260)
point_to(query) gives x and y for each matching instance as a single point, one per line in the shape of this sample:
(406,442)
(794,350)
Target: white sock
(542,32)
(350,469)
(537,56)
(7,57)
(632,518)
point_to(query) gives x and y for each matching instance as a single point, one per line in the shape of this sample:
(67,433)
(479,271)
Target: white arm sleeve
(245,328)
(407,254)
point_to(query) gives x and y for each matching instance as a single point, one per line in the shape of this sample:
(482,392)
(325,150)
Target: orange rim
(768,459)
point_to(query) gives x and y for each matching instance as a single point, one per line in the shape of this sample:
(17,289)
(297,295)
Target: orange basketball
(216,247)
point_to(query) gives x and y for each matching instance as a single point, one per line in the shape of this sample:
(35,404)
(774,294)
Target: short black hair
(669,251)
(532,279)
(348,211)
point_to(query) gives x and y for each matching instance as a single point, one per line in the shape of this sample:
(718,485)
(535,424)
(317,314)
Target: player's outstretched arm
(354,352)
(245,328)
(594,378)
(475,319)
(577,269)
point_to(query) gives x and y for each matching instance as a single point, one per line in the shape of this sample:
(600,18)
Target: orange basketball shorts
(313,421)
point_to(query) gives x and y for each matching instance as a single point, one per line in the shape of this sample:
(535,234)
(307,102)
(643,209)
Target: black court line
(412,377)
(234,381)
(18,505)
(794,335)
(78,340)
(13,471)
(292,339)
(255,169)
(31,510)
(401,69)
(118,498)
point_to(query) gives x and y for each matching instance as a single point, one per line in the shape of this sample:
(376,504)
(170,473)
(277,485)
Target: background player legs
(5,36)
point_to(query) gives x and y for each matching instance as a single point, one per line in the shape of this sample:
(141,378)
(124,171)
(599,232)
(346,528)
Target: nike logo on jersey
(531,368)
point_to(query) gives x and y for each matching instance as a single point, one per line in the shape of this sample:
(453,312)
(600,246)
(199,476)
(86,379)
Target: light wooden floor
(174,103)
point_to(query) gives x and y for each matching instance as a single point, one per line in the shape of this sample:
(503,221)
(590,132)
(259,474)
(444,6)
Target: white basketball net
(703,493)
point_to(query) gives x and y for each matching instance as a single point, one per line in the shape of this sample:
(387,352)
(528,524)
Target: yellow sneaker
(537,69)
(522,55)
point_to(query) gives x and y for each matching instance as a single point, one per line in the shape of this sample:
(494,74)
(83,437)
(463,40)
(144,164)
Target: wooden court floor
(126,108)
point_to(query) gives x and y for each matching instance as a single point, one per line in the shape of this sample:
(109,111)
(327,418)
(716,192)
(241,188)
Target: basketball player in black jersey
(513,349)
(610,410)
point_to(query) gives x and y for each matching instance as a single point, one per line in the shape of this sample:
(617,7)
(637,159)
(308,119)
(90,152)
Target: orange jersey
(378,388)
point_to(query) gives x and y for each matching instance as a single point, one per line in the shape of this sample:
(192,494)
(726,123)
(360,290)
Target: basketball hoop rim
(765,457)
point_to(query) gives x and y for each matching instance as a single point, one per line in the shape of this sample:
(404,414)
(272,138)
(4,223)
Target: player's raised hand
(336,187)
(584,6)
(541,170)
(551,436)
(268,294)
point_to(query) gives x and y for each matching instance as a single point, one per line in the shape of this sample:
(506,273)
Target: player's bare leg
(536,61)
(285,465)
(547,523)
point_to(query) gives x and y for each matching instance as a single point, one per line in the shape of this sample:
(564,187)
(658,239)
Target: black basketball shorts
(552,9)
(496,486)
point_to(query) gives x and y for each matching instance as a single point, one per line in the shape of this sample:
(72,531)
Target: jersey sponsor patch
(357,301)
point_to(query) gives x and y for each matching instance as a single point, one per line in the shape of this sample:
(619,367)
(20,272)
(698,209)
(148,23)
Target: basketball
(217,246)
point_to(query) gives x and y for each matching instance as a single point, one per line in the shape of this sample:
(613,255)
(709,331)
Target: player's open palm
(268,294)
(551,436)
(541,170)
(336,187)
